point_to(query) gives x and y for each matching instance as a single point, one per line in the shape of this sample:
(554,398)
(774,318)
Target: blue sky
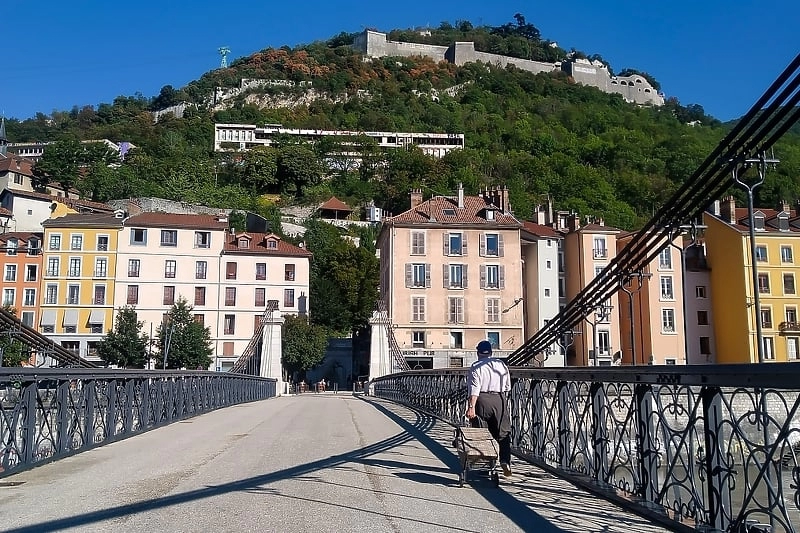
(721,54)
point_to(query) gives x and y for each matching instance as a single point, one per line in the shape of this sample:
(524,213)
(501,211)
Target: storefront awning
(97,316)
(48,318)
(71,317)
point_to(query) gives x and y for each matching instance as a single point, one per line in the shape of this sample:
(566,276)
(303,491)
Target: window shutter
(427,274)
(483,245)
(483,276)
(409,274)
(463,313)
(446,276)
(500,245)
(502,275)
(463,244)
(446,244)
(464,275)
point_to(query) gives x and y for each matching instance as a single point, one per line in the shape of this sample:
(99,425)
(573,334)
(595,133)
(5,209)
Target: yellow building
(733,303)
(77,288)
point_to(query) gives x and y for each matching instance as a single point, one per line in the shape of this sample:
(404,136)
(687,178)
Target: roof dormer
(271,241)
(758,221)
(243,241)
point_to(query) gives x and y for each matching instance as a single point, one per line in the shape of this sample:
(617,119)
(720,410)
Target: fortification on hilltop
(633,88)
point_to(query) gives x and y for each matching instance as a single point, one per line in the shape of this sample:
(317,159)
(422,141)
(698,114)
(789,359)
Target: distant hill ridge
(634,88)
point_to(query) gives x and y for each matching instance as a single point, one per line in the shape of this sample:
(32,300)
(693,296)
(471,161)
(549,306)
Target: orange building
(21,272)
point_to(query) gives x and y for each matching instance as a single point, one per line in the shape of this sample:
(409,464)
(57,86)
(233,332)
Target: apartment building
(260,270)
(652,326)
(777,234)
(701,342)
(78,282)
(588,250)
(21,271)
(450,275)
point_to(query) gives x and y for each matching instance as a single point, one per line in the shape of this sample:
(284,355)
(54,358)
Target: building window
(133,294)
(34,247)
(227,349)
(95,328)
(288,297)
(763,283)
(271,243)
(453,244)
(417,309)
(100,267)
(454,276)
(138,237)
(769,348)
(11,273)
(27,318)
(199,296)
(665,259)
(603,342)
(786,254)
(229,324)
(169,237)
(102,243)
(492,277)
(51,294)
(230,270)
(99,295)
(272,304)
(243,243)
(702,318)
(599,250)
(417,243)
(230,296)
(74,267)
(705,345)
(170,266)
(455,310)
(417,275)
(670,361)
(492,245)
(788,284)
(134,267)
(562,288)
(548,265)
(288,272)
(31,272)
(29,299)
(76,242)
(493,310)
(791,315)
(73,294)
(494,339)
(202,239)
(791,348)
(200,318)
(700,291)
(261,271)
(417,339)
(761,253)
(547,293)
(9,295)
(666,288)
(668,320)
(260,297)
(169,295)
(766,318)
(55,242)
(200,270)
(11,246)
(457,340)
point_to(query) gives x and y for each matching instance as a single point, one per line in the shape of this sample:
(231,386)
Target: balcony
(100,274)
(600,253)
(789,328)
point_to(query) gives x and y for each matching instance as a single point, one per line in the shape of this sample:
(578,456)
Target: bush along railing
(711,447)
(47,414)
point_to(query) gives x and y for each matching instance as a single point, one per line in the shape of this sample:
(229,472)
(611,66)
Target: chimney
(783,206)
(506,207)
(460,195)
(727,210)
(416,197)
(601,222)
(574,222)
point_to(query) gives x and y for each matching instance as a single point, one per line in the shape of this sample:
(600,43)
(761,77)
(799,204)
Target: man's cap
(484,347)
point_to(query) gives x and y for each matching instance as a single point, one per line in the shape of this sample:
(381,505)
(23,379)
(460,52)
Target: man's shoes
(506,469)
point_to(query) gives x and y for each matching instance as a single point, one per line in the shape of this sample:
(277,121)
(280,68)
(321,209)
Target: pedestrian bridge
(310,462)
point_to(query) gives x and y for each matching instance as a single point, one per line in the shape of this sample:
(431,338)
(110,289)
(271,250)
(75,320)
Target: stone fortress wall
(634,88)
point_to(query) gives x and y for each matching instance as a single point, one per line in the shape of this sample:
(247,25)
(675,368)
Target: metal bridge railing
(47,414)
(709,447)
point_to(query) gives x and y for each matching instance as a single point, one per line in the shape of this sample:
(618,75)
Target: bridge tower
(385,356)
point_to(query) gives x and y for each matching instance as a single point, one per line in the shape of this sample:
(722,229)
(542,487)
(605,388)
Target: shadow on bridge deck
(356,464)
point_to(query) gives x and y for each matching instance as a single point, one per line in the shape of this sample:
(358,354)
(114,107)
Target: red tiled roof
(258,245)
(540,230)
(334,204)
(599,228)
(5,212)
(84,220)
(22,236)
(181,221)
(432,211)
(770,220)
(69,202)
(10,162)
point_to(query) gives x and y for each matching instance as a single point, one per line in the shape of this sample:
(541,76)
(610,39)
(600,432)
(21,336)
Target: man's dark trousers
(492,410)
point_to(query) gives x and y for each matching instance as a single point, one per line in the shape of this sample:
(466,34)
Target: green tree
(260,169)
(298,167)
(60,163)
(126,345)
(12,351)
(303,344)
(186,342)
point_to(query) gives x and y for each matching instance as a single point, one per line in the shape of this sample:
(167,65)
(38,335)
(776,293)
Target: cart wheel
(496,478)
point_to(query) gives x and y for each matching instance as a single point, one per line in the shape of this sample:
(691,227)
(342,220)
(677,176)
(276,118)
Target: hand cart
(476,448)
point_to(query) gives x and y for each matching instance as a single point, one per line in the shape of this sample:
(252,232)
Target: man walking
(488,383)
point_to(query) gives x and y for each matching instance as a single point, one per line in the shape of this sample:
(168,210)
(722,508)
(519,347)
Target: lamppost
(567,339)
(636,282)
(760,163)
(600,312)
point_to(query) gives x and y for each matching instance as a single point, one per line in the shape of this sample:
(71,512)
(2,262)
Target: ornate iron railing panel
(715,447)
(47,414)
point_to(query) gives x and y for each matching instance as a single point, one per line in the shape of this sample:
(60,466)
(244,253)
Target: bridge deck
(315,462)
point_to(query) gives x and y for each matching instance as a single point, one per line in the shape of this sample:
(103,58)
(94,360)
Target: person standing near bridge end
(487,383)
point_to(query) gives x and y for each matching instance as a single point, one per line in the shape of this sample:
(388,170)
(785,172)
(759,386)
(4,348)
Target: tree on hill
(297,168)
(184,340)
(126,345)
